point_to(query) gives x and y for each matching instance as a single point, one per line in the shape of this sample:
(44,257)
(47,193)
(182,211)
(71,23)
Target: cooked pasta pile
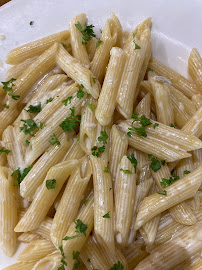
(100,154)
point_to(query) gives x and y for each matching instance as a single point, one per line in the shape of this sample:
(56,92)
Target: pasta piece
(124,38)
(35,177)
(77,72)
(45,197)
(17,70)
(195,266)
(181,117)
(157,203)
(36,250)
(27,237)
(127,91)
(175,251)
(107,99)
(118,148)
(72,197)
(197,157)
(109,37)
(91,48)
(186,87)
(20,266)
(88,127)
(163,103)
(78,48)
(8,213)
(3,159)
(75,151)
(44,228)
(7,116)
(34,48)
(194,125)
(195,68)
(144,106)
(50,262)
(76,244)
(103,204)
(185,166)
(197,100)
(124,199)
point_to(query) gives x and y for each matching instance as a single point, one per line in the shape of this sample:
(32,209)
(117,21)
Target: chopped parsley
(63,260)
(34,109)
(70,237)
(150,69)
(98,42)
(91,106)
(6,106)
(80,93)
(110,188)
(64,45)
(86,32)
(49,100)
(4,150)
(67,100)
(71,122)
(133,160)
(54,140)
(137,47)
(126,171)
(168,181)
(172,125)
(117,266)
(50,184)
(27,142)
(104,137)
(31,22)
(107,215)
(76,257)
(86,201)
(29,127)
(155,125)
(144,121)
(155,163)
(186,172)
(88,260)
(96,151)
(8,88)
(94,79)
(20,175)
(162,192)
(41,125)
(129,134)
(106,170)
(80,228)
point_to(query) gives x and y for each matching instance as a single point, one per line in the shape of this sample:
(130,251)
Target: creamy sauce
(162,79)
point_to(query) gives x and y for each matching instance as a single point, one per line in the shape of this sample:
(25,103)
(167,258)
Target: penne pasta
(195,68)
(44,228)
(7,117)
(194,125)
(144,106)
(27,237)
(50,262)
(20,266)
(197,100)
(91,48)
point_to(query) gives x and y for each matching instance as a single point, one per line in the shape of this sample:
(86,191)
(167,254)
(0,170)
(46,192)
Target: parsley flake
(49,100)
(168,181)
(6,106)
(71,122)
(8,88)
(88,260)
(29,126)
(94,79)
(106,170)
(150,69)
(117,266)
(155,125)
(63,260)
(31,22)
(129,134)
(126,171)
(80,227)
(186,172)
(107,215)
(91,106)
(96,151)
(50,184)
(67,100)
(54,140)
(20,175)
(80,93)
(137,47)
(76,257)
(86,32)
(98,42)
(27,142)
(34,109)
(4,150)
(162,192)
(133,160)
(144,121)
(155,163)
(104,137)
(172,125)
(41,125)
(86,201)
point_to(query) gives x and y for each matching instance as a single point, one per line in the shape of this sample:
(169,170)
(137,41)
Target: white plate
(176,28)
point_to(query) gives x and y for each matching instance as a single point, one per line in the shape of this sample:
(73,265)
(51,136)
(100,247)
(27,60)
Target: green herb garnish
(76,257)
(155,163)
(168,181)
(107,215)
(117,266)
(155,125)
(29,126)
(4,150)
(137,47)
(54,140)
(71,122)
(98,42)
(186,172)
(20,175)
(86,32)
(104,137)
(27,142)
(50,184)
(126,171)
(80,93)
(91,106)
(133,160)
(106,170)
(162,192)
(31,22)
(34,109)
(67,100)
(49,100)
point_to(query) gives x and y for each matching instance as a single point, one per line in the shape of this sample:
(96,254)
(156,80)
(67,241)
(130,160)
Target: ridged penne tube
(149,229)
(181,117)
(107,99)
(34,48)
(157,203)
(44,228)
(45,197)
(141,157)
(71,197)
(78,48)
(88,127)
(163,102)
(185,86)
(197,157)
(177,139)
(195,68)
(170,254)
(27,237)
(141,192)
(75,151)
(16,70)
(124,38)
(36,250)
(101,58)
(197,100)
(77,72)
(124,200)
(185,165)
(86,216)
(43,93)
(91,48)
(8,213)
(196,266)
(127,92)
(20,266)
(39,143)
(144,106)
(100,257)
(103,204)
(118,148)
(35,177)
(194,125)
(50,262)
(3,159)
(7,117)
(34,72)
